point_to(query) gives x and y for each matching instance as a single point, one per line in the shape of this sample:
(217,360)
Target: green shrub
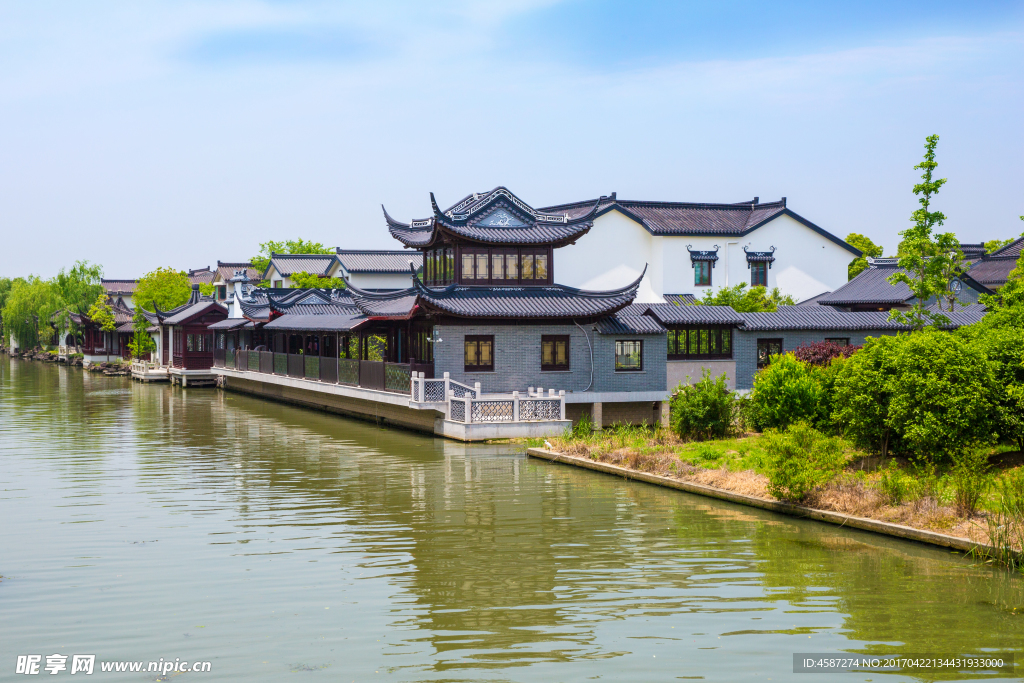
(786,392)
(928,393)
(896,486)
(970,480)
(1003,347)
(704,410)
(801,459)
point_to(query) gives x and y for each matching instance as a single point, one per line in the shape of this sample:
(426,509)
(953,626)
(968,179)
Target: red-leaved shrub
(822,353)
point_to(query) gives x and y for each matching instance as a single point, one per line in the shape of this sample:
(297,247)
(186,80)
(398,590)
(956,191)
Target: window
(839,341)
(527,267)
(759,274)
(222,292)
(190,342)
(766,348)
(278,284)
(540,267)
(700,343)
(512,266)
(497,266)
(702,273)
(467,266)
(554,352)
(629,356)
(479,353)
(481,266)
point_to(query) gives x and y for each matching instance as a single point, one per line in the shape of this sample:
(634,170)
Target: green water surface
(140,522)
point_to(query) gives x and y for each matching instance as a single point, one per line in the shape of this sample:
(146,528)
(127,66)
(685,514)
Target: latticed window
(479,353)
(629,355)
(190,342)
(766,348)
(702,273)
(838,341)
(759,274)
(467,266)
(700,343)
(554,352)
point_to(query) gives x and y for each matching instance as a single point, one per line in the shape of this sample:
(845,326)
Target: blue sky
(142,134)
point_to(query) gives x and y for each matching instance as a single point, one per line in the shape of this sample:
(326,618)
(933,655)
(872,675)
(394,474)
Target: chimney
(757,200)
(613,197)
(783,201)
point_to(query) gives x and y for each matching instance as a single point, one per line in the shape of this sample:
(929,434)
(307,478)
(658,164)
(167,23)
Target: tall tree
(164,288)
(141,342)
(102,314)
(29,310)
(867,247)
(296,246)
(929,262)
(78,288)
(300,246)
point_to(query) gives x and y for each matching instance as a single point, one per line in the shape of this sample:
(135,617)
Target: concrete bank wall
(380,413)
(897,530)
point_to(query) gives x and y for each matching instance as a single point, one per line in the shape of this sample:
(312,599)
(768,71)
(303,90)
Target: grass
(987,508)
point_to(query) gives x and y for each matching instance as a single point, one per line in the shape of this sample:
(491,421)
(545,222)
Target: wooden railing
(392,377)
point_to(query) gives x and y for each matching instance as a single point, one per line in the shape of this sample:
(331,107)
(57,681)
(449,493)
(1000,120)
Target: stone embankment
(112,369)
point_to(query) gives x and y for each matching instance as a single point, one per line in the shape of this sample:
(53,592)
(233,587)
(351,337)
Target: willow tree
(29,309)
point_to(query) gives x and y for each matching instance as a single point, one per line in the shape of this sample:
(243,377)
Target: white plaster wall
(381,280)
(614,252)
(612,255)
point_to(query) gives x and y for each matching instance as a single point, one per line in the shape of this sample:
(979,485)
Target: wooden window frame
(640,343)
(758,268)
(464,253)
(720,332)
(477,339)
(764,342)
(556,339)
(698,268)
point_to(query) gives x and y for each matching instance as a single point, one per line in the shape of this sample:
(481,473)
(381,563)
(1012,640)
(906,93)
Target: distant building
(694,248)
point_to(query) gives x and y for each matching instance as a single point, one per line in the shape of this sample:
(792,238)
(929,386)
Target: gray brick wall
(745,346)
(517,359)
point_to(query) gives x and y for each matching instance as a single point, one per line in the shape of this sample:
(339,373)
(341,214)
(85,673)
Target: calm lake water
(145,522)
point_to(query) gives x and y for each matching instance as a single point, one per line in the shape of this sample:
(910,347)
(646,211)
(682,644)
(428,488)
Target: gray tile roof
(194,310)
(114,287)
(629,324)
(800,318)
(680,299)
(325,323)
(533,303)
(685,218)
(670,314)
(230,324)
(202,276)
(379,261)
(871,286)
(289,264)
(227,271)
(993,270)
(811,301)
(477,216)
